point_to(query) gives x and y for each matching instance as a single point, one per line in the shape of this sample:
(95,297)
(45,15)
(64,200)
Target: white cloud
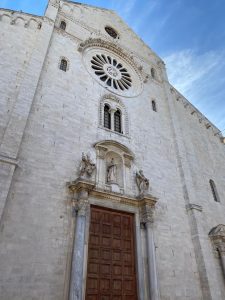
(200,78)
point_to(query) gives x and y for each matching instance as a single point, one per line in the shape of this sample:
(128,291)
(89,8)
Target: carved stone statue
(87,167)
(111,172)
(142,182)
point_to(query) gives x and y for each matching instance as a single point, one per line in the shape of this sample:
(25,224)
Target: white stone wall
(37,223)
(18,33)
(205,155)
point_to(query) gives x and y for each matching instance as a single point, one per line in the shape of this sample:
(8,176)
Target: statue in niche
(87,167)
(142,182)
(111,172)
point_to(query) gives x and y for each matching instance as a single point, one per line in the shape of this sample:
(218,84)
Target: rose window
(111,72)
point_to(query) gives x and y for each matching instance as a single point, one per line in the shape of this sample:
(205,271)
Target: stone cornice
(80,184)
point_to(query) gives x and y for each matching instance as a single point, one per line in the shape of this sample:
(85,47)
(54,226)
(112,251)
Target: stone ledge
(8,160)
(192,206)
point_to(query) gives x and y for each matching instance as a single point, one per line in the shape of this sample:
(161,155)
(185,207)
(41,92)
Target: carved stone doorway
(111,256)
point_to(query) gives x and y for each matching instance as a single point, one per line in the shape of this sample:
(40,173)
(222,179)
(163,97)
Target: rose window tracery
(112,72)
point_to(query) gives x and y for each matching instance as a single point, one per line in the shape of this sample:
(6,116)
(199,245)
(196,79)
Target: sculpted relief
(112,172)
(142,182)
(87,166)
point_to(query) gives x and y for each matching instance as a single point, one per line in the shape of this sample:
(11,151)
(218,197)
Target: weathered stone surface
(49,117)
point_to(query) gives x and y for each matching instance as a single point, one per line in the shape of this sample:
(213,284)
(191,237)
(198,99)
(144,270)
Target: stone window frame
(115,104)
(60,24)
(214,191)
(68,63)
(153,73)
(108,34)
(154,105)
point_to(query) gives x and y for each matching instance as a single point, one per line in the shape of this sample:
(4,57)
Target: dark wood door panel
(111,256)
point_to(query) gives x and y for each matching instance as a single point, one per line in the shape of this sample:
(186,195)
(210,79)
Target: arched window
(117,121)
(63,25)
(154,106)
(63,65)
(107,117)
(153,73)
(214,191)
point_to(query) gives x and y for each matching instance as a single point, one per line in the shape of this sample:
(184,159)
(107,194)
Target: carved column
(81,206)
(147,220)
(112,112)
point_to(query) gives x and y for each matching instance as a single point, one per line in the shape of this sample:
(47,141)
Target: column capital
(81,207)
(80,184)
(147,205)
(217,235)
(82,187)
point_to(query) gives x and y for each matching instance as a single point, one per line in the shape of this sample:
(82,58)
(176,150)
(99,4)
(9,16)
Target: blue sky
(188,34)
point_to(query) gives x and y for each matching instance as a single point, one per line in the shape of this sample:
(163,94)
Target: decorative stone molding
(124,78)
(193,110)
(8,160)
(82,188)
(106,152)
(147,208)
(108,144)
(21,19)
(101,151)
(127,160)
(217,235)
(54,3)
(79,186)
(192,206)
(114,101)
(89,43)
(67,60)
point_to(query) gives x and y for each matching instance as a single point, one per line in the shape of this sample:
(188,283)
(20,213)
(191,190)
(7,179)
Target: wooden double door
(111,256)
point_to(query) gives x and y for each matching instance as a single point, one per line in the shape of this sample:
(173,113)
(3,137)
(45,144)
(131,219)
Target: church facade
(111,182)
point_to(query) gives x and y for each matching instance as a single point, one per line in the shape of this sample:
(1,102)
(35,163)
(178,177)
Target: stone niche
(114,167)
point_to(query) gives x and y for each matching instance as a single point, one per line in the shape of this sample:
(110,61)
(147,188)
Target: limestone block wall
(205,154)
(37,225)
(18,33)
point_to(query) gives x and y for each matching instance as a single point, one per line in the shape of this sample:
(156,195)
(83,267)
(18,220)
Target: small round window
(111,32)
(110,71)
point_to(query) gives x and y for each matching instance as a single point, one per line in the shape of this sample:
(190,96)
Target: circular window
(111,32)
(112,72)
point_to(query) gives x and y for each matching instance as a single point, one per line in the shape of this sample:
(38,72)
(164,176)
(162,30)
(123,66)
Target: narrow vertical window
(63,25)
(63,65)
(154,106)
(153,73)
(117,121)
(214,191)
(107,117)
